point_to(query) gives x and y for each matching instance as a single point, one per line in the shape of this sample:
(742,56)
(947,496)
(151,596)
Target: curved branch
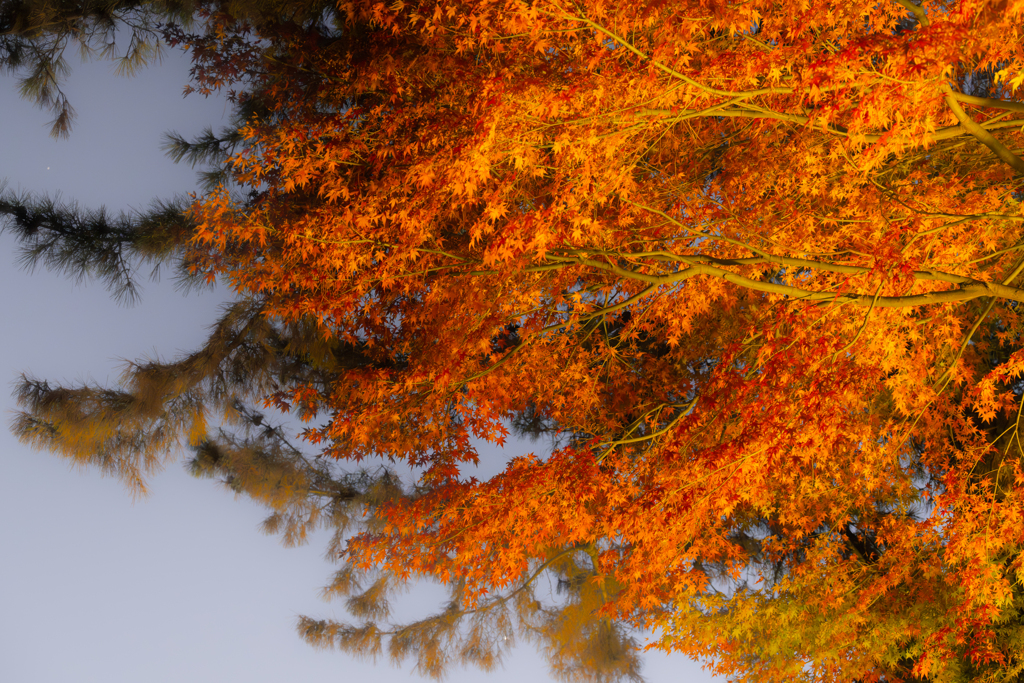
(970,289)
(982,135)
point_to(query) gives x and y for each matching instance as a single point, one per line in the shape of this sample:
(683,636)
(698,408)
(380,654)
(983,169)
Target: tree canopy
(752,267)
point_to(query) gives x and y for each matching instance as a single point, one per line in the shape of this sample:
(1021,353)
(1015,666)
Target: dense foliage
(751,266)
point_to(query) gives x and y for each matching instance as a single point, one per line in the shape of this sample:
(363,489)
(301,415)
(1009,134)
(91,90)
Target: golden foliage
(755,265)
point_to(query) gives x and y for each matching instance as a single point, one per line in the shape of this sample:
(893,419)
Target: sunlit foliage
(752,267)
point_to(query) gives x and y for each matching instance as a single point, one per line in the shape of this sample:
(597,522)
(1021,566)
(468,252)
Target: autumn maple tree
(753,267)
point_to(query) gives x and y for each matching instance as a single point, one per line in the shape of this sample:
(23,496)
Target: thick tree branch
(971,289)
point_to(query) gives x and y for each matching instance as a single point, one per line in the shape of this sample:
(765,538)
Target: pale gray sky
(179,586)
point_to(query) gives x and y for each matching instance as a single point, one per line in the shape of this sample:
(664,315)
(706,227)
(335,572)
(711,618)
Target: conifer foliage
(753,267)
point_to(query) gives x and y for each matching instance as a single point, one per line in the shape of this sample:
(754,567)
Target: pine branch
(94,244)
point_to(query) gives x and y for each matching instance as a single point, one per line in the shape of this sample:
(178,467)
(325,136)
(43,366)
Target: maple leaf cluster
(759,261)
